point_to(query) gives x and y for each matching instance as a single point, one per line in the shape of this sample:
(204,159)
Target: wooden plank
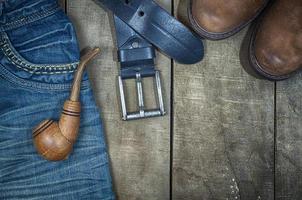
(224,128)
(289,139)
(139,150)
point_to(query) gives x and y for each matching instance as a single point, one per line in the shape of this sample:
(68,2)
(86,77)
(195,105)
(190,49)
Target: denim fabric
(38,55)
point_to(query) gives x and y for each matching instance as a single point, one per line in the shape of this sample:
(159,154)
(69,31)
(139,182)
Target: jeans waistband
(16,13)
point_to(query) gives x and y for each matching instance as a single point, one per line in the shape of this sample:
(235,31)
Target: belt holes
(135,45)
(141,13)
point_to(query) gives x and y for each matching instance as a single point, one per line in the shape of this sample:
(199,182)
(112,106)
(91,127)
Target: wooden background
(226,136)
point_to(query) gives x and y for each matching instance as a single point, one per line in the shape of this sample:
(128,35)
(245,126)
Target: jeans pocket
(42,52)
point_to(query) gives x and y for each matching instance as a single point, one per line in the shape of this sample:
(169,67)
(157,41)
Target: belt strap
(157,26)
(142,25)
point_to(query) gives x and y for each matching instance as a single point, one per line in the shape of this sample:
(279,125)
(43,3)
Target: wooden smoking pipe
(54,140)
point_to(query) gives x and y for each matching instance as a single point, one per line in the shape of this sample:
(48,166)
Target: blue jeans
(38,55)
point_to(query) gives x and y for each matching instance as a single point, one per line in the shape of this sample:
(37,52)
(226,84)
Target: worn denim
(38,55)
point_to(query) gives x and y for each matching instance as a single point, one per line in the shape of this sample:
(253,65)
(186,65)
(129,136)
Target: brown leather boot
(273,47)
(218,19)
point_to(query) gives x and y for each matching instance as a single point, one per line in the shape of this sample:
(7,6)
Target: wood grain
(223,128)
(289,139)
(139,150)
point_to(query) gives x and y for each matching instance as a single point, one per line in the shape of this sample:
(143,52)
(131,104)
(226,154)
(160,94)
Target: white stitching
(31,68)
(29,19)
(35,72)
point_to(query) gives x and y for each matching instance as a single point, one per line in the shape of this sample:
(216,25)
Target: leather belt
(142,25)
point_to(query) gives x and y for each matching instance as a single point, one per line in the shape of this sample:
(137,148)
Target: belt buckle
(142,113)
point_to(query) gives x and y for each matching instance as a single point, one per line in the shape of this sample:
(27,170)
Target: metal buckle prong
(140,95)
(142,113)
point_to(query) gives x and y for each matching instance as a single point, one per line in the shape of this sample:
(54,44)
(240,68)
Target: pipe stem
(76,86)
